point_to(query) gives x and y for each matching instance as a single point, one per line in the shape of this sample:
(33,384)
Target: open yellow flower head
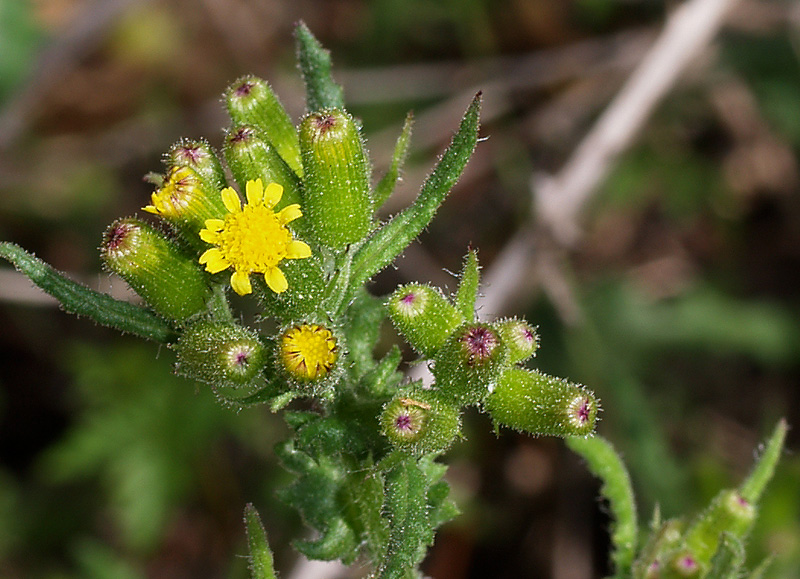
(253,238)
(308,351)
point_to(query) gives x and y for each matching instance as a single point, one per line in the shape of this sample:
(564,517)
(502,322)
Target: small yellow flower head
(177,195)
(308,351)
(253,238)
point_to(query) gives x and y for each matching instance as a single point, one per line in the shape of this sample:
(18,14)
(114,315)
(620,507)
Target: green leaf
(315,65)
(606,464)
(755,483)
(728,559)
(364,317)
(468,287)
(408,508)
(391,239)
(385,187)
(82,301)
(261,565)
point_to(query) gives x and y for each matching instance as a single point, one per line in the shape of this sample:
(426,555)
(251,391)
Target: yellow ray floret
(253,238)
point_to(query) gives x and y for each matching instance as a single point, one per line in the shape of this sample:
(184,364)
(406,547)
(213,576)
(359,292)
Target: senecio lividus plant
(297,231)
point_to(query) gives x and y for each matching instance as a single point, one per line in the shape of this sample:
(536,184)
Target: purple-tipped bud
(686,564)
(336,178)
(539,404)
(169,281)
(420,422)
(251,101)
(201,158)
(229,357)
(250,156)
(423,316)
(521,338)
(469,364)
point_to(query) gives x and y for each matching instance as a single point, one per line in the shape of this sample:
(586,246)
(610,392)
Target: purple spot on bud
(242,358)
(409,298)
(189,154)
(324,123)
(687,563)
(479,342)
(244,89)
(742,501)
(403,422)
(584,411)
(241,135)
(117,238)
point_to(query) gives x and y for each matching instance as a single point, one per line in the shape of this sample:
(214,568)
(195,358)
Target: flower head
(253,238)
(308,351)
(177,195)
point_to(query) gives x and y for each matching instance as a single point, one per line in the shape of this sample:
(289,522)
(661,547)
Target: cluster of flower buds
(301,197)
(477,363)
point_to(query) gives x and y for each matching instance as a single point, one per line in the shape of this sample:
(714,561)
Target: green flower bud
(170,282)
(420,422)
(520,337)
(337,196)
(229,357)
(730,513)
(423,316)
(684,564)
(535,403)
(251,157)
(186,201)
(469,364)
(251,101)
(200,157)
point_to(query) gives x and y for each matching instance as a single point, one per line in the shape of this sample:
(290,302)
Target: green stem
(606,464)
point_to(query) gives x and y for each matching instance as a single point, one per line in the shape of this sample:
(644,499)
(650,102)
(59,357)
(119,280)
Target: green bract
(170,282)
(337,174)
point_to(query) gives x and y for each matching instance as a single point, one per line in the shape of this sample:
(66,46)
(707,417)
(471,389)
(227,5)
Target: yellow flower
(177,195)
(253,238)
(308,351)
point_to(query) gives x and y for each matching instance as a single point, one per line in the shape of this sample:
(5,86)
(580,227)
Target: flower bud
(420,422)
(336,179)
(186,201)
(170,282)
(520,337)
(200,157)
(308,352)
(535,403)
(251,101)
(469,364)
(423,316)
(730,513)
(251,157)
(685,564)
(229,357)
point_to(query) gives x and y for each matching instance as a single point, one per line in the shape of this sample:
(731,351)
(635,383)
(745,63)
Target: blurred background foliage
(679,305)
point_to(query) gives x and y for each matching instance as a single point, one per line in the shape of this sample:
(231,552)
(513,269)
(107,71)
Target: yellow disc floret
(253,238)
(308,351)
